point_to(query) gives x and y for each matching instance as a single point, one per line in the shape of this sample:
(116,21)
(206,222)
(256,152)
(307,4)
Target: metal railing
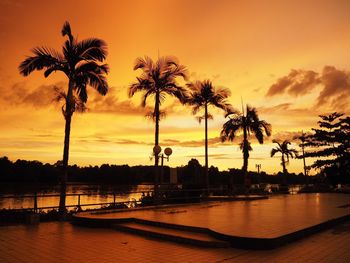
(164,195)
(79,204)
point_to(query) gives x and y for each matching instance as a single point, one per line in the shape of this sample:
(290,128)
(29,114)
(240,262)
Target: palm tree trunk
(245,156)
(63,181)
(156,142)
(284,170)
(206,149)
(156,135)
(303,150)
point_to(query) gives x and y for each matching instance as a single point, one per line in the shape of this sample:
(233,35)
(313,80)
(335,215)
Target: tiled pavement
(268,218)
(63,242)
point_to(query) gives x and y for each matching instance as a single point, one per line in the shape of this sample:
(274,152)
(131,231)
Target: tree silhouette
(285,152)
(80,61)
(158,79)
(248,123)
(332,145)
(303,140)
(203,94)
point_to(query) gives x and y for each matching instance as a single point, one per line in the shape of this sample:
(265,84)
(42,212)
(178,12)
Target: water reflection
(90,194)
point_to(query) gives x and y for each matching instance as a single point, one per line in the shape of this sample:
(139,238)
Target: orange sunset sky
(289,59)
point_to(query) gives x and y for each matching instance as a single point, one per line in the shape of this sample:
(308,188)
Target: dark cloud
(336,88)
(111,103)
(214,156)
(170,141)
(44,95)
(224,156)
(291,136)
(127,141)
(284,108)
(111,141)
(212,142)
(41,96)
(296,83)
(334,83)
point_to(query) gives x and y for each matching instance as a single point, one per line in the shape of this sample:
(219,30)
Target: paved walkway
(267,218)
(63,242)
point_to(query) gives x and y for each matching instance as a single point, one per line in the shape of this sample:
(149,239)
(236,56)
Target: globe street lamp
(167,151)
(157,152)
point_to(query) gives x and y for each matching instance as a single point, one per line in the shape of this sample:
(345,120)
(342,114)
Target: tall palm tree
(248,122)
(158,79)
(80,61)
(203,94)
(286,153)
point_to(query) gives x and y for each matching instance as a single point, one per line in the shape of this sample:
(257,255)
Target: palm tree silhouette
(80,62)
(202,96)
(248,123)
(158,79)
(286,153)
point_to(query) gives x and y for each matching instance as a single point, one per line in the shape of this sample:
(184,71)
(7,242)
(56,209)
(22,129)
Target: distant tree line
(191,175)
(22,171)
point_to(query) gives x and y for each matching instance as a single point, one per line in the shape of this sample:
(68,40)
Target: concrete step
(170,234)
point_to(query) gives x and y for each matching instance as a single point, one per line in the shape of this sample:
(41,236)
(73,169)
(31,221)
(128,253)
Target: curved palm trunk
(63,181)
(206,149)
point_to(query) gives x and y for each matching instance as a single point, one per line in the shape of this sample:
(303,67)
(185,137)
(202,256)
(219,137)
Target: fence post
(35,203)
(79,207)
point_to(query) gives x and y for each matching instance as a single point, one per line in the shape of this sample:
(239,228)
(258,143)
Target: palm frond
(274,151)
(54,69)
(77,105)
(230,128)
(257,126)
(180,71)
(140,85)
(152,115)
(43,58)
(145,64)
(201,118)
(145,97)
(98,81)
(203,93)
(92,49)
(66,30)
(196,109)
(92,66)
(177,91)
(82,92)
(245,146)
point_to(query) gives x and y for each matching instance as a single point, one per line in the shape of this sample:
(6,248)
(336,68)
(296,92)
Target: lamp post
(167,151)
(258,166)
(157,151)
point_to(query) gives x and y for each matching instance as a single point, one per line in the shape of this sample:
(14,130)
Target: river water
(17,197)
(21,196)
